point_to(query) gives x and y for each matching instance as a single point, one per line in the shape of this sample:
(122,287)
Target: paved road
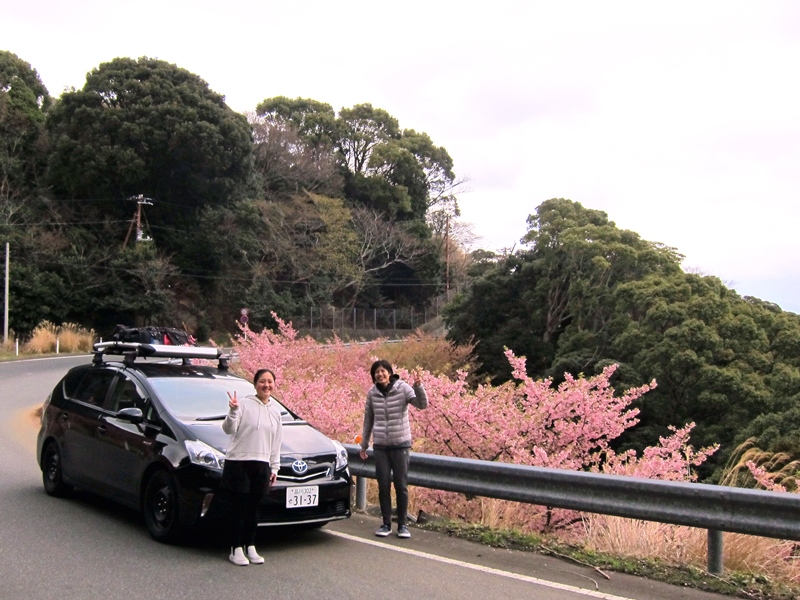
(85,547)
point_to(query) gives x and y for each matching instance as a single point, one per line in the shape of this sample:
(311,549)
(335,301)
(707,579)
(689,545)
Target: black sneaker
(403,532)
(383,531)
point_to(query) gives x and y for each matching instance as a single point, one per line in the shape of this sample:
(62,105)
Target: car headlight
(341,455)
(204,455)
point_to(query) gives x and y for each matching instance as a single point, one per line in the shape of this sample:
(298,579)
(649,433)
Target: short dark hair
(260,372)
(377,365)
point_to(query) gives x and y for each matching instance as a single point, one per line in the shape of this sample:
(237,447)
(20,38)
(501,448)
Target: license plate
(297,497)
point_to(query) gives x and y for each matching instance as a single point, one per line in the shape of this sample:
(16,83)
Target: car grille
(326,510)
(315,471)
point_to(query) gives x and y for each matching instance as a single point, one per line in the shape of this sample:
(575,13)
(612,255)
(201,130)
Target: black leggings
(247,481)
(391,466)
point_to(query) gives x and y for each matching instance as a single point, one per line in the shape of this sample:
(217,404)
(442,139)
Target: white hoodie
(256,431)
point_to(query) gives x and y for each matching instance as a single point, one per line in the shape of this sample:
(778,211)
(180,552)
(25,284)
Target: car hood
(299,439)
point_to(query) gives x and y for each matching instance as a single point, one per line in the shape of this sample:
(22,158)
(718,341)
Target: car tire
(160,508)
(52,472)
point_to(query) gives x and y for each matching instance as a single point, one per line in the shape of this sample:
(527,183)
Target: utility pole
(137,220)
(447,257)
(5,312)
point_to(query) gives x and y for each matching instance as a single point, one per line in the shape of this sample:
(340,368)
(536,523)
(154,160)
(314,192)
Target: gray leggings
(391,466)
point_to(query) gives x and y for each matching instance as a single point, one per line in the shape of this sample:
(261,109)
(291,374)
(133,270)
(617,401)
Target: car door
(80,420)
(125,445)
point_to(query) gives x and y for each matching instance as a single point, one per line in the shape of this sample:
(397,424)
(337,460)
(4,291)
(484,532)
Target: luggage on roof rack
(151,334)
(158,350)
(133,350)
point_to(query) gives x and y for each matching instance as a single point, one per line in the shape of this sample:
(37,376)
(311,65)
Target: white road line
(18,360)
(466,565)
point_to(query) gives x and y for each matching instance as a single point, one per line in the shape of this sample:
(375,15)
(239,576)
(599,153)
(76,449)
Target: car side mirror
(133,415)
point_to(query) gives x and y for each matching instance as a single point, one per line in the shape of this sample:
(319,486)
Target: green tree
(702,344)
(585,294)
(362,129)
(502,309)
(314,122)
(557,294)
(141,287)
(148,127)
(24,101)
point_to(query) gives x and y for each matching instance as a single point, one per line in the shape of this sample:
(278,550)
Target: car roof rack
(133,350)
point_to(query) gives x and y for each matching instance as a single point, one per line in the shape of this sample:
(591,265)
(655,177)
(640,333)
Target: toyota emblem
(299,467)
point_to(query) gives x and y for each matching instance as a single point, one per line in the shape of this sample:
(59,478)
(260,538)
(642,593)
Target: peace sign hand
(233,402)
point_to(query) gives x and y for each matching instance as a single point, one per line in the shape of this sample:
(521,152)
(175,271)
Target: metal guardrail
(711,507)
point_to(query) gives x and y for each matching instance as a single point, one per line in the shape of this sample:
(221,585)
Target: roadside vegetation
(48,338)
(326,382)
(751,568)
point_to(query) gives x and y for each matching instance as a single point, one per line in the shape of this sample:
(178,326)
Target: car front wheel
(52,474)
(161,507)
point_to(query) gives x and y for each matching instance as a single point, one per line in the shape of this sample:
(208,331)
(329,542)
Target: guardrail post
(715,552)
(361,492)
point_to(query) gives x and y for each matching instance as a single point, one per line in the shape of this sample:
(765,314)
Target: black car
(146,431)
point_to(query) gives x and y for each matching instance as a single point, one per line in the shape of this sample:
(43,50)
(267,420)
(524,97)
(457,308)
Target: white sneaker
(253,556)
(237,557)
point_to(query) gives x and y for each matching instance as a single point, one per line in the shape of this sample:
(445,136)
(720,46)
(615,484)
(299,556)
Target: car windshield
(202,399)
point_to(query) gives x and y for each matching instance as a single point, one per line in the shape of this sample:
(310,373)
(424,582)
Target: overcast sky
(680,120)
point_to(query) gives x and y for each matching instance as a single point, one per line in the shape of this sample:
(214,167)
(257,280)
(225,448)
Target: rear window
(71,381)
(189,398)
(93,387)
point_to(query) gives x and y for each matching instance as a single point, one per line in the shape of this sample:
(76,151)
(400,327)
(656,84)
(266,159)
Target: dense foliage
(584,294)
(142,197)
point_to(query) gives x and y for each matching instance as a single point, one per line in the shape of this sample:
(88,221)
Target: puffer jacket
(386,414)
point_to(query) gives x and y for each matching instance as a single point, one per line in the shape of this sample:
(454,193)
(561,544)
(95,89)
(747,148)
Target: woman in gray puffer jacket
(386,421)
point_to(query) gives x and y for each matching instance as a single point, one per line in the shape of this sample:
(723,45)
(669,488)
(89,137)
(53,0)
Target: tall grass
(681,546)
(433,352)
(7,346)
(68,337)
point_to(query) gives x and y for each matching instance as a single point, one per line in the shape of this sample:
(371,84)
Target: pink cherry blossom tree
(523,421)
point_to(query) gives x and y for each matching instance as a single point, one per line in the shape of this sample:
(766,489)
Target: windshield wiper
(211,418)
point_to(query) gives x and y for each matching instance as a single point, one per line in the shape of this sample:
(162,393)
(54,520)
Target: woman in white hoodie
(252,461)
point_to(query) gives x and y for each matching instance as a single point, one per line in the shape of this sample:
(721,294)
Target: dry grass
(42,340)
(682,546)
(434,353)
(780,468)
(644,539)
(8,346)
(74,338)
(69,337)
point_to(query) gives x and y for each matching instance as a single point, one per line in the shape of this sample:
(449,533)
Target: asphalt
(362,525)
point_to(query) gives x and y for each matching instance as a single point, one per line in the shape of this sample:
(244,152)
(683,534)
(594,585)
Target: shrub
(74,338)
(42,340)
